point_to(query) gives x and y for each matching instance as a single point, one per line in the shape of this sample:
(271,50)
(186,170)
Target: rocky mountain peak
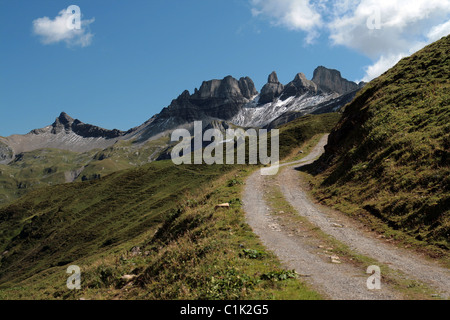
(300,77)
(273,78)
(271,90)
(299,86)
(66,123)
(64,118)
(247,87)
(184,95)
(227,88)
(219,99)
(329,80)
(62,122)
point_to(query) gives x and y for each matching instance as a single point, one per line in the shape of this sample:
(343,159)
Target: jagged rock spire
(271,90)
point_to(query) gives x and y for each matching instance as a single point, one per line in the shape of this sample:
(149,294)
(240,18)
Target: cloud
(381,65)
(383,30)
(404,27)
(439,31)
(56,30)
(292,14)
(403,24)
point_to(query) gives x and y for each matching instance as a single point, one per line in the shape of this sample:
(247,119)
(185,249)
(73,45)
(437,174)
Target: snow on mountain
(253,114)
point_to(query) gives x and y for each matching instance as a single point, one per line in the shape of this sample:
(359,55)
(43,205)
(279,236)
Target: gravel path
(337,281)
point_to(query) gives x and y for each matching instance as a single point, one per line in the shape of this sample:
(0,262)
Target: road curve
(336,281)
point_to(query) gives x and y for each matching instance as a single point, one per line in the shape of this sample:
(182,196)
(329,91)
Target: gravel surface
(334,280)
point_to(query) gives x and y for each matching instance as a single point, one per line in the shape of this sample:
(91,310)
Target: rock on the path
(335,259)
(337,225)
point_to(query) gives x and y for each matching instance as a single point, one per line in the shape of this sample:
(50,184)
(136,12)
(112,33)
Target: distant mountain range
(230,100)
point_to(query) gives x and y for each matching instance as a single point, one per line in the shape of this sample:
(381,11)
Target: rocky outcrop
(299,86)
(247,87)
(6,153)
(66,123)
(271,90)
(216,99)
(227,88)
(220,99)
(330,80)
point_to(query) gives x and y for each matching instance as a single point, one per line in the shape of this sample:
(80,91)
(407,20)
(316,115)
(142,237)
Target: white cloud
(56,30)
(292,14)
(439,31)
(405,26)
(379,67)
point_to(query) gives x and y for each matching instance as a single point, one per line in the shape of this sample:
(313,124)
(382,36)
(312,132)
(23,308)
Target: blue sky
(136,56)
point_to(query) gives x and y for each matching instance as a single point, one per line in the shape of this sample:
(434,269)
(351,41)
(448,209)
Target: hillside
(187,249)
(388,157)
(55,225)
(46,167)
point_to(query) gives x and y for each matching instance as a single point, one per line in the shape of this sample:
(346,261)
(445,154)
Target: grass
(387,160)
(54,226)
(295,133)
(46,167)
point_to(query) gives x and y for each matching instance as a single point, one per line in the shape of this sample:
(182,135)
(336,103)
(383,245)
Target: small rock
(135,251)
(337,225)
(128,277)
(274,227)
(222,205)
(335,259)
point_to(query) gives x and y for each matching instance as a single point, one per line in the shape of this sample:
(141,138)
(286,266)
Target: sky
(123,61)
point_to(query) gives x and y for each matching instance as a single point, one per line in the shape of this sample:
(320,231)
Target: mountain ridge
(232,100)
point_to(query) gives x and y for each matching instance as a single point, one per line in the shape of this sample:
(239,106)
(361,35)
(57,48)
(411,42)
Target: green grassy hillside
(44,167)
(57,225)
(293,133)
(389,155)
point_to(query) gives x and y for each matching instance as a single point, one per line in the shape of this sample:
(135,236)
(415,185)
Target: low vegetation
(46,167)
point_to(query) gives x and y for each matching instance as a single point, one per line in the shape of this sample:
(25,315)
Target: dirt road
(334,280)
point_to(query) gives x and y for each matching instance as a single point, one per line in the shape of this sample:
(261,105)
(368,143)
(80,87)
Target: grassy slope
(56,225)
(188,249)
(40,168)
(294,133)
(389,155)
